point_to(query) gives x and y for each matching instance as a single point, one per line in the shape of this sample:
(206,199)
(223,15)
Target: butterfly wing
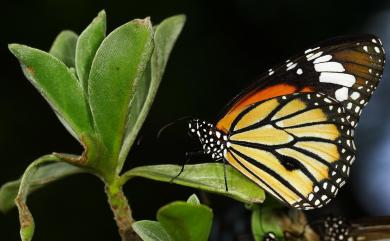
(346,69)
(298,147)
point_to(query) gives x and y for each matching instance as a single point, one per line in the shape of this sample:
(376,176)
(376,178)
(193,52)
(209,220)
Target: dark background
(224,46)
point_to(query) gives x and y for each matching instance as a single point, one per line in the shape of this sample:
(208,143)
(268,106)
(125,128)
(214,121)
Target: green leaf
(26,220)
(40,178)
(193,199)
(264,220)
(207,176)
(165,37)
(151,231)
(118,64)
(59,87)
(87,45)
(186,221)
(64,47)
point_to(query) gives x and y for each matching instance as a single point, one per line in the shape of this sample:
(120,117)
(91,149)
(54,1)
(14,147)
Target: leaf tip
(145,22)
(102,13)
(102,16)
(13,47)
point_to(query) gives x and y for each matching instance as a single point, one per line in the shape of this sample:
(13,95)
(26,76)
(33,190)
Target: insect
(292,131)
(341,229)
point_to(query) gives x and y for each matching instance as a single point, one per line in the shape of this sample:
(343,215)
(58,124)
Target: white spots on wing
(341,94)
(311,196)
(370,71)
(321,59)
(377,49)
(365,48)
(349,106)
(313,56)
(357,109)
(311,50)
(374,41)
(291,66)
(338,78)
(355,95)
(333,188)
(271,72)
(299,71)
(329,67)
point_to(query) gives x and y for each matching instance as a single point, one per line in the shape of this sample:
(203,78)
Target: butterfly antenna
(162,129)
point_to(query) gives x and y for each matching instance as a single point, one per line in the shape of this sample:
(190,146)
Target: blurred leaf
(42,176)
(263,221)
(186,221)
(164,38)
(193,199)
(64,47)
(59,87)
(118,64)
(207,176)
(151,231)
(87,45)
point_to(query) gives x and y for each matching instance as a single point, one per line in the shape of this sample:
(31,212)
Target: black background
(224,46)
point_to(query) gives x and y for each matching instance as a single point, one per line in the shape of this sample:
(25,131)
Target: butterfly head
(214,142)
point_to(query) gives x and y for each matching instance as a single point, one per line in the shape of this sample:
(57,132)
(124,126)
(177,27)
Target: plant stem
(122,212)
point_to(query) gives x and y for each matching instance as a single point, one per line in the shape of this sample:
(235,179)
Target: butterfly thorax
(213,141)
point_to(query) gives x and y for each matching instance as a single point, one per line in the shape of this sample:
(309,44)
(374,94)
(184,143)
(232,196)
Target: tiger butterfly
(341,229)
(292,131)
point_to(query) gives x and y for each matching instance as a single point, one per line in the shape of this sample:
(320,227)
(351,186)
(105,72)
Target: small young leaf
(193,199)
(118,64)
(87,45)
(26,219)
(208,176)
(41,177)
(151,231)
(186,221)
(64,47)
(58,85)
(165,37)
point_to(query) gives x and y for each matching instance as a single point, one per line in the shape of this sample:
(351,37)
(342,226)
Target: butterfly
(338,228)
(292,131)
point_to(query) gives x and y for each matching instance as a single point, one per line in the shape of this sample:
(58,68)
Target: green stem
(122,212)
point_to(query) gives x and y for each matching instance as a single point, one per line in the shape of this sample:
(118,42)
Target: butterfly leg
(188,156)
(224,174)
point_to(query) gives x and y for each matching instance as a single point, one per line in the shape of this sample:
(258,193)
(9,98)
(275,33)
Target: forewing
(298,147)
(346,69)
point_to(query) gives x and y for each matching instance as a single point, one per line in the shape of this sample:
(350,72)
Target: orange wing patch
(253,97)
